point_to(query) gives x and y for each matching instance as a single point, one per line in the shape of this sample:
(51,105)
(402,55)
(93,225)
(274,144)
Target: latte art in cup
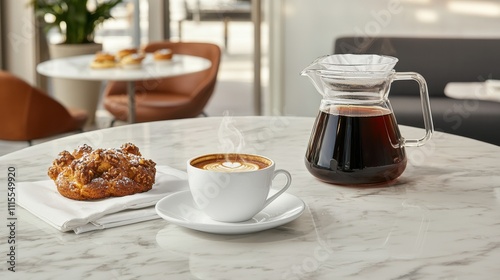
(231,162)
(229,166)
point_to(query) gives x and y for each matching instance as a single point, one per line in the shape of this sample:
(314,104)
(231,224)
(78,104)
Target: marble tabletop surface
(439,220)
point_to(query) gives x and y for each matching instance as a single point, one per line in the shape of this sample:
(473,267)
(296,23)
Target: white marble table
(78,67)
(440,220)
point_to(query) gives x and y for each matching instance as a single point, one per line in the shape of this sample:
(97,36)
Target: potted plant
(77,21)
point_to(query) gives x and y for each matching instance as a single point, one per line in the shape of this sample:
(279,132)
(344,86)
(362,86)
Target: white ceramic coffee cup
(228,195)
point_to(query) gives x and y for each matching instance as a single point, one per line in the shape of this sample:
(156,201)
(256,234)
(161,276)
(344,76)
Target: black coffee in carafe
(355,145)
(356,140)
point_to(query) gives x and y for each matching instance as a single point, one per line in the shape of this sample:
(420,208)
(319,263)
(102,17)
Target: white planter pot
(76,93)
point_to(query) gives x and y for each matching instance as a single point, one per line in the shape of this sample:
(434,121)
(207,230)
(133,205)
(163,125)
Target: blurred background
(266,43)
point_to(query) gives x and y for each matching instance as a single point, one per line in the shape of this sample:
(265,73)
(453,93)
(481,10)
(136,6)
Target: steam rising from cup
(231,140)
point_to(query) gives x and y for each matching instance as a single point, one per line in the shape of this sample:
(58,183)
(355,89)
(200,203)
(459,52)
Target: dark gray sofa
(439,60)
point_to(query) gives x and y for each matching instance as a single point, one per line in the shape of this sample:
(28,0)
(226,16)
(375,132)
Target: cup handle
(287,184)
(426,107)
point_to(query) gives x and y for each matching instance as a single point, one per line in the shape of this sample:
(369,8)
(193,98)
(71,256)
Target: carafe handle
(426,106)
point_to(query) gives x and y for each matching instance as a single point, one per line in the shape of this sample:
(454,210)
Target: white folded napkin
(122,218)
(42,199)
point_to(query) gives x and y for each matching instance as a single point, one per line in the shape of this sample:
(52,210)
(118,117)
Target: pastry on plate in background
(121,54)
(103,60)
(163,56)
(133,61)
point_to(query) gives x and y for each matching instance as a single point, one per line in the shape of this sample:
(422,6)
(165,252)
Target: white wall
(156,24)
(310,27)
(19,39)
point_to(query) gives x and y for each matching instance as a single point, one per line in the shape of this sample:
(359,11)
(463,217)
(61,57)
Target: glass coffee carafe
(355,139)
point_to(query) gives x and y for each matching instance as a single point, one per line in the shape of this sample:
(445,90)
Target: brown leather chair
(27,113)
(183,96)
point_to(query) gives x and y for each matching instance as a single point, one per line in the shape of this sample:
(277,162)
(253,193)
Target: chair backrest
(199,85)
(439,60)
(27,113)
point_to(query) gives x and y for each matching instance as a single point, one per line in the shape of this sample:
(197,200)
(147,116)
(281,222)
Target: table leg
(131,101)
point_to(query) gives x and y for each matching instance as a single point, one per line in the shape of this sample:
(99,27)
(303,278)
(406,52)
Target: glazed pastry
(87,174)
(124,53)
(163,54)
(132,61)
(103,60)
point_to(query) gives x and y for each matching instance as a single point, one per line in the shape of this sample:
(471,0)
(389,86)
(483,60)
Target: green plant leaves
(79,20)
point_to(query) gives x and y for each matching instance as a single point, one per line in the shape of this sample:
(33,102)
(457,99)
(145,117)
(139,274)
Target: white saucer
(179,209)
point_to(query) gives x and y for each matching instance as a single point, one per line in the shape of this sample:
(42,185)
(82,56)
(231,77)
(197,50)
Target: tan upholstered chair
(177,97)
(27,113)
